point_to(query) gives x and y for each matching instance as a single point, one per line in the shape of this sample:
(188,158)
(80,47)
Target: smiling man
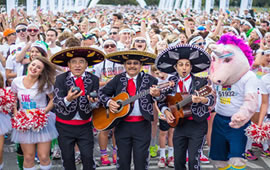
(133,133)
(73,108)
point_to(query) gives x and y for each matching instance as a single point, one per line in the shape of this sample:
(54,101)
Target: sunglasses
(200,43)
(135,63)
(87,38)
(109,45)
(113,33)
(21,30)
(140,41)
(32,30)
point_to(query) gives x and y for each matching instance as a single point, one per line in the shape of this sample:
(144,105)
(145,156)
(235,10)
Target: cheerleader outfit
(5,123)
(30,99)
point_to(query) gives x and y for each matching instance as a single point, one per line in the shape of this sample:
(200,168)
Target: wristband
(159,114)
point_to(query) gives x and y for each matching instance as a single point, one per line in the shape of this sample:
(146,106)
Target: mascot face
(228,64)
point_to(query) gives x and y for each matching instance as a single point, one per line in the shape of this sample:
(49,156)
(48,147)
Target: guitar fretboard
(184,102)
(133,98)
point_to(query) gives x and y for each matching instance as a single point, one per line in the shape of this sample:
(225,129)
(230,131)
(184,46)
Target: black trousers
(188,136)
(133,137)
(82,135)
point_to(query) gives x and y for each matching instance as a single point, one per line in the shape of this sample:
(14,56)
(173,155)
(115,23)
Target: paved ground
(10,160)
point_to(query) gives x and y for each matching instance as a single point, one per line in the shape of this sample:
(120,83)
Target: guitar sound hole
(120,104)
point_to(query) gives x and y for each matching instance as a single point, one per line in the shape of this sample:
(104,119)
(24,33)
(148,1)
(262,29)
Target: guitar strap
(139,81)
(191,90)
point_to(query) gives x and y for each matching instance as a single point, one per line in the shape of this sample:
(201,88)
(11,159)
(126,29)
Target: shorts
(227,142)
(163,125)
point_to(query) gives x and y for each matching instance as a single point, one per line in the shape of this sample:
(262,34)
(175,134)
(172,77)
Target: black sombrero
(120,57)
(92,56)
(198,58)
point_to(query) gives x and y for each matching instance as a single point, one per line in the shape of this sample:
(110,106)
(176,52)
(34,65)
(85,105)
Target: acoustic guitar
(104,119)
(177,102)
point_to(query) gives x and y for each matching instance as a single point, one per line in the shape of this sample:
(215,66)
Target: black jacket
(62,85)
(119,84)
(200,112)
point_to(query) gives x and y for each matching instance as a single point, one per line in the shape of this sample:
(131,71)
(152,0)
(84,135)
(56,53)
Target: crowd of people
(43,57)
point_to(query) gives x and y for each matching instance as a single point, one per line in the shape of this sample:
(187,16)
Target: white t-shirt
(29,98)
(19,48)
(266,83)
(261,71)
(108,71)
(4,49)
(55,49)
(231,98)
(120,46)
(11,63)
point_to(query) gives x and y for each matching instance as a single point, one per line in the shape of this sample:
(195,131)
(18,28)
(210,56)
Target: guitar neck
(184,102)
(133,98)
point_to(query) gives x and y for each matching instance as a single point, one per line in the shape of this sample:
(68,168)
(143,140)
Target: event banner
(209,5)
(184,5)
(197,5)
(224,4)
(245,4)
(177,4)
(10,5)
(31,6)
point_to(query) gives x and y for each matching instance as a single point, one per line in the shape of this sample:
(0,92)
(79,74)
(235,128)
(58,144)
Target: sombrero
(91,55)
(168,58)
(120,57)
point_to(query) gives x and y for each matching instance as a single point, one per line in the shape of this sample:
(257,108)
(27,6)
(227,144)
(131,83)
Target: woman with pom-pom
(7,102)
(34,124)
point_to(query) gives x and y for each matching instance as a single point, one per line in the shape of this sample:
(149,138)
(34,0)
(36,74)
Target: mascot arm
(246,111)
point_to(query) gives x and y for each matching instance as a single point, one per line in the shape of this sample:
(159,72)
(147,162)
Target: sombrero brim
(92,56)
(199,59)
(120,57)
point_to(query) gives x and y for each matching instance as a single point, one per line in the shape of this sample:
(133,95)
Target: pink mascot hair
(233,40)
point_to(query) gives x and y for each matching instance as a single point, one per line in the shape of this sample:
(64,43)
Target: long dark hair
(1,81)
(47,77)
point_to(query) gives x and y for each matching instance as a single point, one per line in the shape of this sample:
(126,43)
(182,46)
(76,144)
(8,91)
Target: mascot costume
(236,101)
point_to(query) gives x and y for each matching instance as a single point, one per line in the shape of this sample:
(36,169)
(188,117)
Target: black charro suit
(130,136)
(81,133)
(119,84)
(190,134)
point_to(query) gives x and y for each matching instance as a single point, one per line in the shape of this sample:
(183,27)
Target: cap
(8,31)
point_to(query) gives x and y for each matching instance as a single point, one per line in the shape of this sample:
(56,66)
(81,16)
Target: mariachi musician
(74,105)
(183,61)
(133,133)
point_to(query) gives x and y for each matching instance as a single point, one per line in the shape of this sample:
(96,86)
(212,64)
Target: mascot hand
(238,120)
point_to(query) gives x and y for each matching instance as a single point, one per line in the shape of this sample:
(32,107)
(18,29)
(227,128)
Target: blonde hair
(133,43)
(156,50)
